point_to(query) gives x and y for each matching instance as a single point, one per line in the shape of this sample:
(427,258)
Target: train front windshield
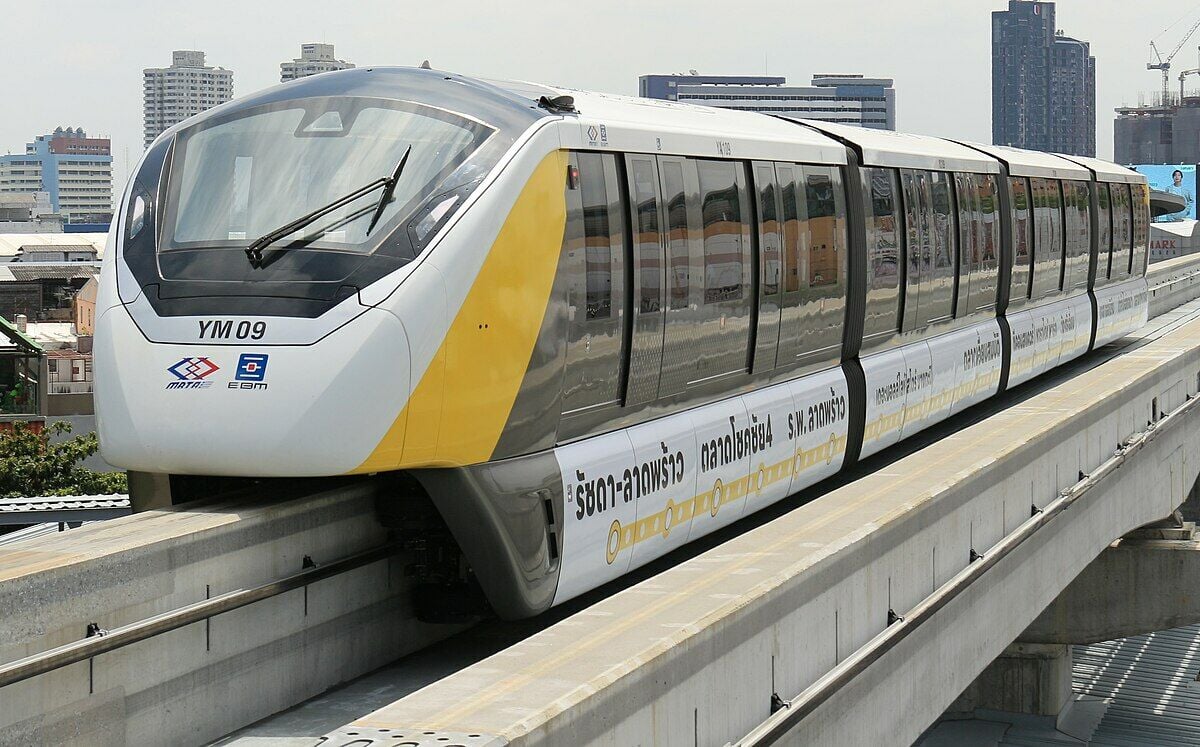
(237,179)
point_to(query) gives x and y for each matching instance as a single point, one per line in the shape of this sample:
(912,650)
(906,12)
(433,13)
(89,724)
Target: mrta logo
(192,373)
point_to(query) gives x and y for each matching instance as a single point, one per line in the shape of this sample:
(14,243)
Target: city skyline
(916,44)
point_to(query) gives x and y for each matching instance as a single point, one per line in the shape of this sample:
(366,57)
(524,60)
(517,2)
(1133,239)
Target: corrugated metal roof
(23,273)
(29,533)
(1132,692)
(1151,681)
(12,243)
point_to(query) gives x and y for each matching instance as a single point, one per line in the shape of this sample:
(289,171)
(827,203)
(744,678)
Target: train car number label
(225,329)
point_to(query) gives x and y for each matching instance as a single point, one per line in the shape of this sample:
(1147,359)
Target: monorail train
(591,327)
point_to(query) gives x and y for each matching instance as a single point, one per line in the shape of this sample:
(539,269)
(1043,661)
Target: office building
(73,170)
(846,99)
(186,88)
(1043,82)
(313,59)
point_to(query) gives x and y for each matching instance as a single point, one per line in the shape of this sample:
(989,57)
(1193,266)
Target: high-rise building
(74,170)
(313,59)
(847,99)
(1043,82)
(186,88)
(1159,133)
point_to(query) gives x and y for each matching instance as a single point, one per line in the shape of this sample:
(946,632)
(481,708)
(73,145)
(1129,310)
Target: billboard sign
(1177,180)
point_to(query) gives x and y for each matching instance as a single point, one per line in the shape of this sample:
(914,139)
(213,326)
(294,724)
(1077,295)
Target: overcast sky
(74,63)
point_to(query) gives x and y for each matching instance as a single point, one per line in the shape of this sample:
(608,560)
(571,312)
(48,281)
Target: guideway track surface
(695,653)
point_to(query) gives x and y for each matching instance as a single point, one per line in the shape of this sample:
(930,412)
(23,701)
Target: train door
(721,345)
(646,345)
(594,265)
(677,179)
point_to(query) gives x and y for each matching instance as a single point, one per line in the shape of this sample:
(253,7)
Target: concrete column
(1031,678)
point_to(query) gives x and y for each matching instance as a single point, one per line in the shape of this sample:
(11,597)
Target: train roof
(634,124)
(1033,163)
(905,151)
(1106,171)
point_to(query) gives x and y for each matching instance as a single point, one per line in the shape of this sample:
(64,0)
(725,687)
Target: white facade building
(845,99)
(314,58)
(186,88)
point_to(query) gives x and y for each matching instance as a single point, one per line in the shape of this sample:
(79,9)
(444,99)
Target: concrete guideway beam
(199,682)
(1173,283)
(694,654)
(1136,586)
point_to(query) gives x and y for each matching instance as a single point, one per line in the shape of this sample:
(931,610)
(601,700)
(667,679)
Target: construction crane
(1165,64)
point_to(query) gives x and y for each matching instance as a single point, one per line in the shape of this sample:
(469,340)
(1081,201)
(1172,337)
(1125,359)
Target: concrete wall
(693,655)
(197,683)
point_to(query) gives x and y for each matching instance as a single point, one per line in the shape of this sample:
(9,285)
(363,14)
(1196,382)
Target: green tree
(32,465)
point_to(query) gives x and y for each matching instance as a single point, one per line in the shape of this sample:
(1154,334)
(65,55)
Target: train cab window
(677,234)
(1122,231)
(721,210)
(937,290)
(1104,239)
(594,263)
(1022,210)
(1141,229)
(882,210)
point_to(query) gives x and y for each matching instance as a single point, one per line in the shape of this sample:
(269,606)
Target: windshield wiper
(254,252)
(389,189)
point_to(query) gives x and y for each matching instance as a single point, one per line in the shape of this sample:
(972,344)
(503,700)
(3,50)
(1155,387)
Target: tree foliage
(32,464)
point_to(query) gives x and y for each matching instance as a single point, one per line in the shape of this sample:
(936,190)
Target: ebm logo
(251,372)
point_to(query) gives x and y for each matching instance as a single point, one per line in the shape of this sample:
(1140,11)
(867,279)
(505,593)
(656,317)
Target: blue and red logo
(251,367)
(190,373)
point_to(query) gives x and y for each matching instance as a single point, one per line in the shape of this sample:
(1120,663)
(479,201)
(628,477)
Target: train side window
(985,270)
(721,209)
(594,263)
(1122,231)
(1081,233)
(938,303)
(1104,240)
(794,305)
(911,182)
(967,201)
(598,249)
(677,234)
(770,269)
(882,209)
(645,346)
(1141,229)
(825,201)
(1047,244)
(1022,209)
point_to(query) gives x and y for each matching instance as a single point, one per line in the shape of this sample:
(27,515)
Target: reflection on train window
(824,226)
(645,200)
(677,234)
(722,213)
(1022,239)
(768,231)
(1141,229)
(939,302)
(1104,240)
(1122,231)
(793,224)
(597,236)
(986,270)
(883,250)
